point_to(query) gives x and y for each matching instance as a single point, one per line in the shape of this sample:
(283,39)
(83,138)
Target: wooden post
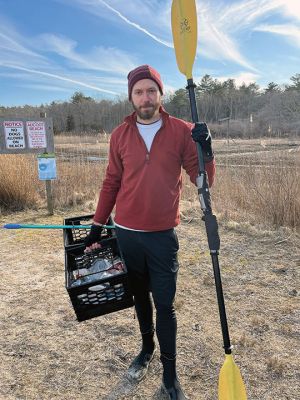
(48,182)
(49,197)
(228,131)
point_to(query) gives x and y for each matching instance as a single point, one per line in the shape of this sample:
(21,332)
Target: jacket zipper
(147,158)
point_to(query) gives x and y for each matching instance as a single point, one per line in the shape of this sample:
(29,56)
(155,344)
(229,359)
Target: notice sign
(14,134)
(46,167)
(36,134)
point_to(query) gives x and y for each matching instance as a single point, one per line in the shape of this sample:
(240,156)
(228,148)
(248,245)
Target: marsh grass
(268,194)
(19,185)
(78,183)
(263,188)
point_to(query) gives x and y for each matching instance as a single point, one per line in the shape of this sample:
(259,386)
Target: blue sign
(47,168)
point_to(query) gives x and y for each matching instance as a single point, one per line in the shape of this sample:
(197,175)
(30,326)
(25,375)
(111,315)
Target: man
(143,179)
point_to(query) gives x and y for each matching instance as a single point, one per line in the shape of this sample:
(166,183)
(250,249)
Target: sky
(49,49)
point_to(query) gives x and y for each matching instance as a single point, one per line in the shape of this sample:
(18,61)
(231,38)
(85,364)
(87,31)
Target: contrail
(136,25)
(62,78)
(15,46)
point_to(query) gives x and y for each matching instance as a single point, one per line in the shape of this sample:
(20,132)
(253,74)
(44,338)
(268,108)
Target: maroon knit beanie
(143,72)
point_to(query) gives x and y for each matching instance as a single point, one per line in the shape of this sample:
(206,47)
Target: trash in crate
(96,269)
(101,294)
(99,265)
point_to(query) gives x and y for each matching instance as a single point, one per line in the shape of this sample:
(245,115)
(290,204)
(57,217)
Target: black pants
(151,260)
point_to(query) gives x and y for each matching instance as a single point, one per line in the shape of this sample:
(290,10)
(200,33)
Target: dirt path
(47,355)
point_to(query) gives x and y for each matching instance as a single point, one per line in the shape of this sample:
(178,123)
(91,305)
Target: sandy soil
(46,354)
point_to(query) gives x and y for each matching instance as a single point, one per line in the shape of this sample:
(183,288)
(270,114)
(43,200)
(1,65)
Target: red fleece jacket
(145,186)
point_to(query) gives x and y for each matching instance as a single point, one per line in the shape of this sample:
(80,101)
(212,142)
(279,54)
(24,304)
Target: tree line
(244,111)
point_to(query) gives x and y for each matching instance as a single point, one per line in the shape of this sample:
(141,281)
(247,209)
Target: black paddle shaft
(211,223)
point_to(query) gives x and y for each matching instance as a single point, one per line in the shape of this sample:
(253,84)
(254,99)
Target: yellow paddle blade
(184,28)
(231,385)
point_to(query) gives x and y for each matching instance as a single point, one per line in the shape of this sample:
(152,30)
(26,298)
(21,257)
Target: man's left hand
(201,134)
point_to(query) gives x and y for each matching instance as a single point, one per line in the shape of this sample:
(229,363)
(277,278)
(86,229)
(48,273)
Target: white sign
(36,134)
(14,134)
(47,168)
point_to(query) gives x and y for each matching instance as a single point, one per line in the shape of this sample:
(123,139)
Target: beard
(146,114)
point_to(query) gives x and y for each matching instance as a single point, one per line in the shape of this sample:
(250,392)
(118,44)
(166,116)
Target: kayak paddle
(184,28)
(24,226)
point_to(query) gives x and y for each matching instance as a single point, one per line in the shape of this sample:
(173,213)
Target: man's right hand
(92,239)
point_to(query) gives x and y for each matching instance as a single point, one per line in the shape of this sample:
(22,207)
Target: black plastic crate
(76,236)
(94,295)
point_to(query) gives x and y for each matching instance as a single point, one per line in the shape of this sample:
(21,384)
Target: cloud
(247,14)
(215,39)
(35,61)
(130,12)
(237,16)
(221,25)
(214,42)
(224,28)
(169,89)
(13,46)
(9,44)
(241,78)
(98,58)
(291,8)
(59,77)
(291,32)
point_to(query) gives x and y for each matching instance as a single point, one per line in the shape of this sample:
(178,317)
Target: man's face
(146,100)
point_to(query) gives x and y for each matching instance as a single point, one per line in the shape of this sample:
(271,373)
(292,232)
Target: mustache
(147,105)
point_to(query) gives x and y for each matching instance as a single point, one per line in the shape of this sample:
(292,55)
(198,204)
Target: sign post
(47,172)
(48,181)
(31,135)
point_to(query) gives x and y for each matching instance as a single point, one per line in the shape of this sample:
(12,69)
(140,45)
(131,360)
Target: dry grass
(19,185)
(67,146)
(276,365)
(268,195)
(65,138)
(78,183)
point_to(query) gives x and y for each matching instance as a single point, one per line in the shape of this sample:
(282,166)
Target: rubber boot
(171,385)
(139,366)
